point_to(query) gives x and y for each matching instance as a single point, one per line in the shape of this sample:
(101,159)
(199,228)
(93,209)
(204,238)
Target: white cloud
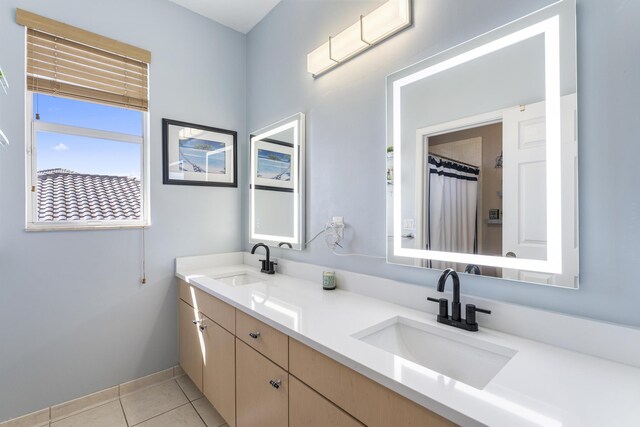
(61,147)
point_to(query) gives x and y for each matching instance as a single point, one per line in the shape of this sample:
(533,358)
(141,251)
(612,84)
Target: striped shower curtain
(452,210)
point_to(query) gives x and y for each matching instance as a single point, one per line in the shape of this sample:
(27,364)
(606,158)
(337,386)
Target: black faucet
(472,269)
(455,319)
(268,266)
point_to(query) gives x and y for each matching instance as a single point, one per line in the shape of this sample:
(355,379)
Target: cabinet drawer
(220,312)
(308,409)
(267,340)
(366,400)
(184,292)
(258,402)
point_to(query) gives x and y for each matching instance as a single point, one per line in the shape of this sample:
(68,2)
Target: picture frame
(195,154)
(273,160)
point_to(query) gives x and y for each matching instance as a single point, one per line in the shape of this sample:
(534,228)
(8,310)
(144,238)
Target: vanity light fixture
(385,21)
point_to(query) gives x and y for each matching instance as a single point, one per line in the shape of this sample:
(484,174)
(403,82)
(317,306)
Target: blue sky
(87,155)
(268,154)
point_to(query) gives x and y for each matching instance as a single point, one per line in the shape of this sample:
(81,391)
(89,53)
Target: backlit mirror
(482,154)
(276,177)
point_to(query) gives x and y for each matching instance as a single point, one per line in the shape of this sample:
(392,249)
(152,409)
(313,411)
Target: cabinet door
(261,390)
(190,342)
(219,371)
(308,409)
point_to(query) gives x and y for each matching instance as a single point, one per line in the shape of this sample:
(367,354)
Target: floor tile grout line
(126,421)
(81,411)
(182,390)
(200,416)
(147,387)
(165,412)
(50,421)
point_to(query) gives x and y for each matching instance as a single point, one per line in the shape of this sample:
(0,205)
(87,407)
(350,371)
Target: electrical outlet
(338,225)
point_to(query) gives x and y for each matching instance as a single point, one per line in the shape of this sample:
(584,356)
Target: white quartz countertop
(541,385)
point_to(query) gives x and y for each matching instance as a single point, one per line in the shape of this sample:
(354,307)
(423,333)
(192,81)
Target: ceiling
(241,15)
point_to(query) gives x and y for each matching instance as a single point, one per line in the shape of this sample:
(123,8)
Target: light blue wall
(73,316)
(346,136)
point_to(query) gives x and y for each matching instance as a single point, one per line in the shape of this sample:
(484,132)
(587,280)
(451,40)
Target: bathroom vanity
(277,350)
(255,374)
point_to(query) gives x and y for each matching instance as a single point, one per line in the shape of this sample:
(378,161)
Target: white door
(524,232)
(570,243)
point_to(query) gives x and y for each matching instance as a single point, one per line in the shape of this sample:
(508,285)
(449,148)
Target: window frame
(33,126)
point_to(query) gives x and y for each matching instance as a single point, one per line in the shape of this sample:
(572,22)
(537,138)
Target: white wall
(73,316)
(346,136)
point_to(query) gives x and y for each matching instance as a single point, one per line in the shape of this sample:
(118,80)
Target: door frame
(422,137)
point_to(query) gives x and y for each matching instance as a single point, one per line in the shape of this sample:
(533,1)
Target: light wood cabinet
(309,409)
(262,391)
(365,399)
(219,369)
(267,340)
(255,375)
(218,311)
(189,342)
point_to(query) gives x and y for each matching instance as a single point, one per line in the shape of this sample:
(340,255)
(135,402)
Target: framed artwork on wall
(273,161)
(198,155)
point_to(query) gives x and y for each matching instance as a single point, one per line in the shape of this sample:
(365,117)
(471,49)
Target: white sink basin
(240,278)
(451,353)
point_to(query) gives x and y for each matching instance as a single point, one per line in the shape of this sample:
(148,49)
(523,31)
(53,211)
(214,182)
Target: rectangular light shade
(319,60)
(368,30)
(385,20)
(347,43)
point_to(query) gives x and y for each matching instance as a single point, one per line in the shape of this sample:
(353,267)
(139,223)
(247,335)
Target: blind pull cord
(144,257)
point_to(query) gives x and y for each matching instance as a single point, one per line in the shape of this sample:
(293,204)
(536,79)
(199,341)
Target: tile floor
(173,403)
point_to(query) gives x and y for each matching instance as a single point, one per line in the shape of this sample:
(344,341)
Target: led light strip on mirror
(387,20)
(549,26)
(297,127)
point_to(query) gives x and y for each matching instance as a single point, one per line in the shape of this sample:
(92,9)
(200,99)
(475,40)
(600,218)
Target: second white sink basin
(240,278)
(461,357)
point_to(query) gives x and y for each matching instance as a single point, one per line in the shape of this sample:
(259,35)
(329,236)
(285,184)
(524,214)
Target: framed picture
(198,155)
(273,161)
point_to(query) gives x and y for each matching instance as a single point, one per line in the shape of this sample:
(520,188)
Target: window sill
(84,227)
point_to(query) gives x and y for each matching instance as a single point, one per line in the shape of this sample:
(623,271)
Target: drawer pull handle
(254,335)
(203,326)
(275,384)
(195,322)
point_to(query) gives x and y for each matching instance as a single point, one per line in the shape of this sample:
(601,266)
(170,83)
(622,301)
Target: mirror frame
(297,123)
(545,21)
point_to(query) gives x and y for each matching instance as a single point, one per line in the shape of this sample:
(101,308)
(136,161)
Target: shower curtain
(452,208)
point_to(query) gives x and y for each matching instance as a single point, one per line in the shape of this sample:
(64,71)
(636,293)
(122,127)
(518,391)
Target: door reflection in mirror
(482,154)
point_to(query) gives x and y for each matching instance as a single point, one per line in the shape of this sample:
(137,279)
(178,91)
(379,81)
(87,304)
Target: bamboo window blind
(68,61)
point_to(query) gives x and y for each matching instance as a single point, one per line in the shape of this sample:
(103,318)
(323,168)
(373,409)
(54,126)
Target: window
(86,164)
(87,143)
